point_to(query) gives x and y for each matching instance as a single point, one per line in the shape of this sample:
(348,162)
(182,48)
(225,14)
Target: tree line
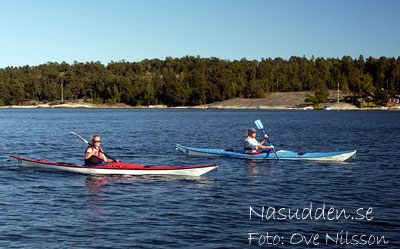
(194,80)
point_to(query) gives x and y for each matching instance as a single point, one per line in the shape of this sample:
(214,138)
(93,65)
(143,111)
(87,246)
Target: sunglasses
(96,141)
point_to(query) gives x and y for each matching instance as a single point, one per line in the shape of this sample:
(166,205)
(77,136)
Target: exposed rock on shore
(280,100)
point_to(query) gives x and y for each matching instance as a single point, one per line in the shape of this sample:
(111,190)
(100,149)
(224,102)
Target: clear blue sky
(35,32)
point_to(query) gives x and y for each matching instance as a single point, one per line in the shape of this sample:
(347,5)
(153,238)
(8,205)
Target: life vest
(95,159)
(250,145)
(97,152)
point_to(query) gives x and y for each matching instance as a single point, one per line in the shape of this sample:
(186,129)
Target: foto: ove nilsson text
(313,214)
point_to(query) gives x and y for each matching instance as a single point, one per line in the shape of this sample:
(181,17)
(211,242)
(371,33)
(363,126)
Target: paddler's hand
(265,135)
(117,161)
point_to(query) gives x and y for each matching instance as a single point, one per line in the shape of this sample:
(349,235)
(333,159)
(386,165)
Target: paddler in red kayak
(94,155)
(252,146)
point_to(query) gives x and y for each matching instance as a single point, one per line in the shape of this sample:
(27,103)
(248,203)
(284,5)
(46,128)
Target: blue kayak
(280,154)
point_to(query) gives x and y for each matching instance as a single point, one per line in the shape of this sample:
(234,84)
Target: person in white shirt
(252,146)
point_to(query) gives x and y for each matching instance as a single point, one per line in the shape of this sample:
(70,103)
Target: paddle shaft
(273,149)
(85,141)
(261,127)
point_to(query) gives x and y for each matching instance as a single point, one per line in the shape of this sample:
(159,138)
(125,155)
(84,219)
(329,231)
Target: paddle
(84,140)
(260,126)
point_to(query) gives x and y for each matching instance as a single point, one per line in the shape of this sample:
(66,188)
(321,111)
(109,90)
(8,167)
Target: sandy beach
(74,104)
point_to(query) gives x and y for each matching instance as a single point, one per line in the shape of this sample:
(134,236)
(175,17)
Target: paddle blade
(259,124)
(81,138)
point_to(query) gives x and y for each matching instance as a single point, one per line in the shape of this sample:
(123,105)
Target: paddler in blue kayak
(252,146)
(94,155)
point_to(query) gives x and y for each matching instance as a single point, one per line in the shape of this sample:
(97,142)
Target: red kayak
(119,168)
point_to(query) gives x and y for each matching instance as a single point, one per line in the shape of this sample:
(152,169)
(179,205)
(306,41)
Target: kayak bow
(282,154)
(118,168)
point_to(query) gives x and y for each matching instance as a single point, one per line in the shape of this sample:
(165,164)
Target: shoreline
(67,106)
(213,106)
(275,101)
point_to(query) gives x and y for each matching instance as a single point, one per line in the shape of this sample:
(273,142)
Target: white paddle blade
(81,138)
(259,124)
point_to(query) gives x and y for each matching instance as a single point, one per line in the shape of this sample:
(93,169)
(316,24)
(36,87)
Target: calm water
(45,209)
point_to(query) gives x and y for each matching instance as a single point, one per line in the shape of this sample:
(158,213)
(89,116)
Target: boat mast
(338,92)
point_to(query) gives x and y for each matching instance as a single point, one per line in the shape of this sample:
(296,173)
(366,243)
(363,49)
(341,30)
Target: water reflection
(253,167)
(95,215)
(96,183)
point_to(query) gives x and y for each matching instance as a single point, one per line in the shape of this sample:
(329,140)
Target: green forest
(194,80)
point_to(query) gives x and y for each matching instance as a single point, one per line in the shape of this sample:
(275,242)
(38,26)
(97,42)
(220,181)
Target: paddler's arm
(265,137)
(105,159)
(89,153)
(261,146)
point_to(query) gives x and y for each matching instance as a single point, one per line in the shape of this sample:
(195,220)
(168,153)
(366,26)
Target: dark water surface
(45,209)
